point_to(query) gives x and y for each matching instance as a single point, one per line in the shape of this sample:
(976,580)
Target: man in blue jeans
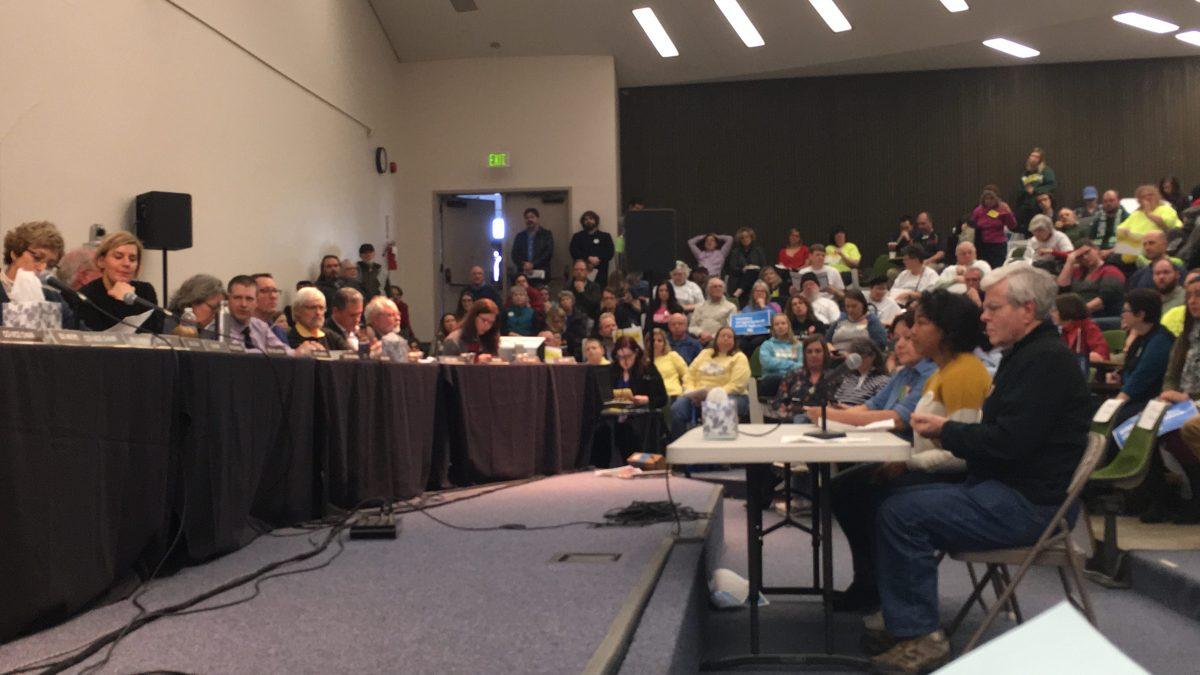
(1020,458)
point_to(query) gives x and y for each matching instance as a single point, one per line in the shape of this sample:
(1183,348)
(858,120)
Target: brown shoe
(915,655)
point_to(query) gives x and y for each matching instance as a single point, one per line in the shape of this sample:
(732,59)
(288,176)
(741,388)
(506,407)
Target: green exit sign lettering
(498,160)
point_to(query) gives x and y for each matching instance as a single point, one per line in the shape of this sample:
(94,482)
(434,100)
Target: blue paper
(1172,420)
(751,323)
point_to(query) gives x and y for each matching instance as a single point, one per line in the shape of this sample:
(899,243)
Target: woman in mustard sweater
(721,366)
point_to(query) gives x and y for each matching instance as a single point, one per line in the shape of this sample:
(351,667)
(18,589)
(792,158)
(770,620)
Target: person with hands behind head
(119,258)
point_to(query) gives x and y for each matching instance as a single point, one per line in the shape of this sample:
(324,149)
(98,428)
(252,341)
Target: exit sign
(498,160)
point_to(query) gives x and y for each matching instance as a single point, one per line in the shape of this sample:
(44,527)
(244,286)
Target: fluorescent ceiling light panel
(741,23)
(1145,22)
(956,5)
(1191,37)
(655,31)
(1009,47)
(831,14)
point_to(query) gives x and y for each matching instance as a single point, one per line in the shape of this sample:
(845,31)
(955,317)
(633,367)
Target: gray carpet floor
(435,600)
(1160,640)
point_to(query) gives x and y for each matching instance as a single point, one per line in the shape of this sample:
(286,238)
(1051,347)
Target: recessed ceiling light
(741,23)
(1145,22)
(1014,48)
(958,5)
(1191,37)
(655,31)
(831,14)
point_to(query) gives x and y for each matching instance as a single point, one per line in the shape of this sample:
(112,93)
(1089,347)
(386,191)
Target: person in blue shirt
(779,355)
(681,340)
(519,317)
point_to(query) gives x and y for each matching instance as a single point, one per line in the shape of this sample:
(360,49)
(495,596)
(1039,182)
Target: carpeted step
(1171,578)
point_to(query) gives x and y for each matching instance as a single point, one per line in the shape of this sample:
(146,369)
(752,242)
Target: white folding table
(758,446)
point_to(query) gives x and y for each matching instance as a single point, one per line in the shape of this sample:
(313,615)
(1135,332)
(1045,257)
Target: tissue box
(720,420)
(41,315)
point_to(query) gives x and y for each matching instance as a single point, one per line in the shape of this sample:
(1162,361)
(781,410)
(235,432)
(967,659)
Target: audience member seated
(915,278)
(1079,332)
(593,245)
(396,295)
(926,240)
(348,275)
(1048,247)
(777,291)
(1154,249)
(479,289)
(533,249)
(899,398)
(478,333)
(802,387)
(822,308)
(855,322)
(1182,383)
(287,309)
(1166,276)
(586,292)
(954,277)
(309,334)
(712,314)
(973,280)
(710,251)
(1087,212)
(1106,221)
(1068,223)
(119,258)
(1038,179)
(345,317)
(465,302)
(33,247)
(368,272)
(745,261)
(447,325)
(625,308)
(800,315)
(1020,458)
(519,317)
(605,332)
(880,303)
(637,381)
(990,219)
(1141,376)
(720,366)
(661,307)
(945,331)
(78,267)
(537,298)
(829,280)
(575,326)
(328,281)
(202,295)
(760,299)
(593,353)
(1172,319)
(904,228)
(858,386)
(1102,286)
(266,305)
(671,366)
(778,356)
(794,255)
(242,325)
(1168,187)
(1152,214)
(842,255)
(687,293)
(681,341)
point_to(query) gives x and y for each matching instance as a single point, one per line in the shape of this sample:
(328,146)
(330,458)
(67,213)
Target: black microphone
(131,298)
(53,283)
(852,362)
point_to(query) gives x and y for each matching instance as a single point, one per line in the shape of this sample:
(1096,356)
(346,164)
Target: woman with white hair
(308,309)
(687,293)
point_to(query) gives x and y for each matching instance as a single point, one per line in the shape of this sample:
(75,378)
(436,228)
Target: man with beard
(594,246)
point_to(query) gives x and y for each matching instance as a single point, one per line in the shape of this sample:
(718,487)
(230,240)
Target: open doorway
(477,229)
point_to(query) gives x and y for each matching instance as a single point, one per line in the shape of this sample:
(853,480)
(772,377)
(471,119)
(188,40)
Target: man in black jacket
(532,249)
(593,246)
(1020,458)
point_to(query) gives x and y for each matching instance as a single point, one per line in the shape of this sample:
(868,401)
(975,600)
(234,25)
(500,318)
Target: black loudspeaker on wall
(164,220)
(650,242)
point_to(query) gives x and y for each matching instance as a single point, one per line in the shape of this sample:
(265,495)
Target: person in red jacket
(1080,333)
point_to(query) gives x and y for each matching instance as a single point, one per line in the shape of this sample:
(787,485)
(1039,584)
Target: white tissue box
(720,420)
(41,315)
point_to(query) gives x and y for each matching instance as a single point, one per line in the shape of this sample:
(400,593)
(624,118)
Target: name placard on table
(13,335)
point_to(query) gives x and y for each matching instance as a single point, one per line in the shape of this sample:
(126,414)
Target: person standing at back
(593,245)
(533,249)
(368,272)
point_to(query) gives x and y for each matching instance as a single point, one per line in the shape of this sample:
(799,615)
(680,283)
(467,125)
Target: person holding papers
(723,365)
(119,258)
(1182,384)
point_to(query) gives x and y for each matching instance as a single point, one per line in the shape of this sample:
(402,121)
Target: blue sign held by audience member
(751,323)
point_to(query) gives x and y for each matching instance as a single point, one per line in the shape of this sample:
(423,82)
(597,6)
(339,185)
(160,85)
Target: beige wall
(555,115)
(104,100)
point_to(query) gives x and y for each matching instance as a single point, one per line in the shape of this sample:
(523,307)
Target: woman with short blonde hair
(111,297)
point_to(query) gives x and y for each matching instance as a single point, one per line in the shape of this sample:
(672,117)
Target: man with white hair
(1020,459)
(383,319)
(308,309)
(712,314)
(954,276)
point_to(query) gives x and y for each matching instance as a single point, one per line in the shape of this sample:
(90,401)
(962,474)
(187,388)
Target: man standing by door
(594,246)
(532,249)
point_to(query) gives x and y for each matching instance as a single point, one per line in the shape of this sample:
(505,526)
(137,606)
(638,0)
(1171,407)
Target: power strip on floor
(375,526)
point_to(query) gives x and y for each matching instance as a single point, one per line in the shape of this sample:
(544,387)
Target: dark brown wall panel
(857,151)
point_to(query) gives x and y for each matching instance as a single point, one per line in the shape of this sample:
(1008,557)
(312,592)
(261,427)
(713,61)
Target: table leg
(827,551)
(815,538)
(754,539)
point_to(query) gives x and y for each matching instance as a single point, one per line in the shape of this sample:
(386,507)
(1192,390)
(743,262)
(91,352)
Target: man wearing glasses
(266,304)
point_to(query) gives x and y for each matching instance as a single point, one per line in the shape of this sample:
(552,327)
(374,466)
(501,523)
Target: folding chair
(1054,548)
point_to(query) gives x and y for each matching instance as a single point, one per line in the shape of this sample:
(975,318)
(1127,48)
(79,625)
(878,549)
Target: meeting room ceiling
(886,35)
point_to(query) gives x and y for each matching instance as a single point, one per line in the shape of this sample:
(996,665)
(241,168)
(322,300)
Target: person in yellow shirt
(669,363)
(721,366)
(842,255)
(1152,213)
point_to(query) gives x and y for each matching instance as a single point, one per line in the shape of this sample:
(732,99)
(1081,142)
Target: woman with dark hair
(1172,194)
(801,387)
(661,307)
(1182,383)
(1080,333)
(446,325)
(855,322)
(576,324)
(464,305)
(857,386)
(842,255)
(800,314)
(478,332)
(710,251)
(744,263)
(990,220)
(636,381)
(794,255)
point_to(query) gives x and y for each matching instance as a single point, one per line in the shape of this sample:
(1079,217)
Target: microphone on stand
(132,299)
(852,362)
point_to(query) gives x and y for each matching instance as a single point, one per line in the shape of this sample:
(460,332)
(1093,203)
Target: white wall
(557,116)
(102,100)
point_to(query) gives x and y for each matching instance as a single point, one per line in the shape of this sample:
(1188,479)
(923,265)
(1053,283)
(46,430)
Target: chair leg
(976,594)
(1077,574)
(1013,605)
(975,582)
(1009,591)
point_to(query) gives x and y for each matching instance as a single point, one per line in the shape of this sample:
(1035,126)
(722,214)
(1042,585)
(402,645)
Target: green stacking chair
(1116,341)
(882,264)
(756,363)
(1102,421)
